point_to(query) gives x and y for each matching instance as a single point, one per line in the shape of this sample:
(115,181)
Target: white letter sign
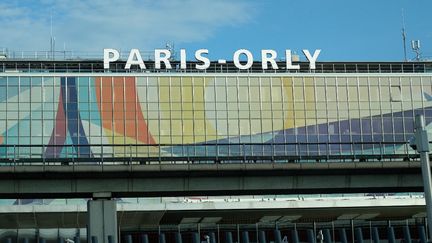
(203,62)
(312,59)
(249,57)
(110,55)
(135,59)
(158,58)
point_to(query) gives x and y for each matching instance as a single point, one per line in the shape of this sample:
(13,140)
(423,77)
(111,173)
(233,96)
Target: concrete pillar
(262,237)
(359,235)
(422,234)
(228,237)
(391,235)
(195,237)
(294,236)
(422,147)
(128,238)
(375,235)
(245,237)
(102,219)
(144,238)
(311,236)
(212,237)
(327,236)
(162,238)
(178,237)
(407,234)
(343,236)
(277,236)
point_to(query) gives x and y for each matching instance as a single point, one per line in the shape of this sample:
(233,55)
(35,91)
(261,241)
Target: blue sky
(344,30)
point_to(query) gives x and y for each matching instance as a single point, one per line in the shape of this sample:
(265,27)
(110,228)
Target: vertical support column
(294,235)
(422,234)
(327,236)
(311,236)
(277,236)
(102,219)
(358,235)
(245,237)
(391,235)
(144,238)
(228,237)
(407,234)
(375,235)
(162,238)
(128,238)
(195,237)
(422,146)
(262,237)
(343,236)
(178,237)
(212,237)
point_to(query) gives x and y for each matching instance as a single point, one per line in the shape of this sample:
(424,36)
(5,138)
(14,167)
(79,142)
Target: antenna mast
(404,36)
(52,39)
(415,45)
(170,47)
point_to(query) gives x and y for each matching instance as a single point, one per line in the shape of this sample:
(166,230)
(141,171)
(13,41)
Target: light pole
(422,146)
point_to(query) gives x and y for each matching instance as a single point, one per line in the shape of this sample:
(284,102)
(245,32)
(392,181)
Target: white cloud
(93,25)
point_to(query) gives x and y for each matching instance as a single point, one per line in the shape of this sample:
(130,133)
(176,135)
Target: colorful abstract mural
(278,115)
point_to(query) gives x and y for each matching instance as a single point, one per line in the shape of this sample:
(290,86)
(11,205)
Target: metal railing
(96,66)
(64,55)
(206,153)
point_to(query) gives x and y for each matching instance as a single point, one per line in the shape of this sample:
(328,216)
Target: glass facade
(208,115)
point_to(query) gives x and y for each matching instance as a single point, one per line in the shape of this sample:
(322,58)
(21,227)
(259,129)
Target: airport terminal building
(76,112)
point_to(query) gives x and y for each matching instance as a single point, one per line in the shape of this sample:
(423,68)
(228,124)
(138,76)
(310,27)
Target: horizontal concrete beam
(133,215)
(208,179)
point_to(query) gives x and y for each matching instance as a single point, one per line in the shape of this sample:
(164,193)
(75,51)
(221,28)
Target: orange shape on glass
(120,108)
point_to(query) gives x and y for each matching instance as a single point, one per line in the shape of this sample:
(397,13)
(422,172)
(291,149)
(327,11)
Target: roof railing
(96,66)
(206,153)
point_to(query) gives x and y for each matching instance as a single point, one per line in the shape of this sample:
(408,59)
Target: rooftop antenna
(170,47)
(404,36)
(52,39)
(415,45)
(64,50)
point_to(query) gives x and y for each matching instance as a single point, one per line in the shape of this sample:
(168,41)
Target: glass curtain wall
(210,115)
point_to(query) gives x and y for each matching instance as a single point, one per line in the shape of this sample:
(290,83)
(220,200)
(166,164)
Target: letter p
(110,55)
